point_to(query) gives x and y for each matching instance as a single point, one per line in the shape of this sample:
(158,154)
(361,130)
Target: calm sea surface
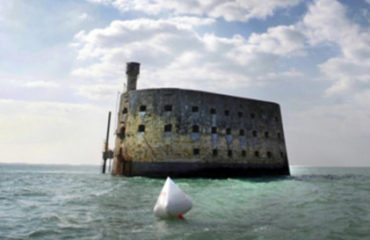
(76,202)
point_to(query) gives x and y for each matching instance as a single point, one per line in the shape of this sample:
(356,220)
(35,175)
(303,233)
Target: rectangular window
(212,111)
(195,128)
(244,153)
(214,130)
(229,153)
(227,112)
(142,108)
(195,109)
(122,132)
(228,131)
(141,128)
(168,108)
(241,132)
(240,114)
(168,128)
(196,151)
(257,153)
(214,152)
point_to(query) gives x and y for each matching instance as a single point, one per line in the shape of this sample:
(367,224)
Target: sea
(78,202)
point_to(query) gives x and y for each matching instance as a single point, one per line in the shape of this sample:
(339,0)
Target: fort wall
(190,133)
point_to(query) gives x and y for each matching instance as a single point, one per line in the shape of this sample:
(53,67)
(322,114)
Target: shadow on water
(265,179)
(326,177)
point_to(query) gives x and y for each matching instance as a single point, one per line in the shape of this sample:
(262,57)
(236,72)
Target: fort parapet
(186,133)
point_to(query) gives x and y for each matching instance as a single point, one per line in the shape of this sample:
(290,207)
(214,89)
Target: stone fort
(185,133)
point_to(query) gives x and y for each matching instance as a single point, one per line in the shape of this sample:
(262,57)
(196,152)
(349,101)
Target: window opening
(123,131)
(227,112)
(269,154)
(241,132)
(196,151)
(142,108)
(244,153)
(168,128)
(214,130)
(228,131)
(124,111)
(195,109)
(195,128)
(168,108)
(141,128)
(266,134)
(214,152)
(229,153)
(212,111)
(240,114)
(256,153)
(254,133)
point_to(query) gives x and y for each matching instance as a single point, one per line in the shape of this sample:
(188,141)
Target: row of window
(168,108)
(195,128)
(243,153)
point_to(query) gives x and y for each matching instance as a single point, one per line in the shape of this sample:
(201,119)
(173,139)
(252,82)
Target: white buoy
(172,201)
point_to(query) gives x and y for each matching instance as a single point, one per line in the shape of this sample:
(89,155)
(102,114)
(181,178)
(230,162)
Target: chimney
(132,71)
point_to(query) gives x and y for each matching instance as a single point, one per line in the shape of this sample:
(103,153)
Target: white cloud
(234,10)
(335,135)
(174,43)
(262,50)
(98,91)
(170,49)
(41,84)
(245,10)
(83,17)
(326,23)
(51,132)
(105,2)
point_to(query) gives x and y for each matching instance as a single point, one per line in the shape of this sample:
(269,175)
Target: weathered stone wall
(199,129)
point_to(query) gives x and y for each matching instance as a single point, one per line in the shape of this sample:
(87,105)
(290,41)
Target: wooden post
(105,153)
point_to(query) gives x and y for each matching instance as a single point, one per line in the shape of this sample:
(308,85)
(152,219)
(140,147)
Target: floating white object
(172,201)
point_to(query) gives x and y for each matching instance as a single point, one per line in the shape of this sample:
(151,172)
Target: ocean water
(77,202)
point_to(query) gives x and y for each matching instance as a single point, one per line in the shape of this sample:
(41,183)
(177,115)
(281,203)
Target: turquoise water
(76,202)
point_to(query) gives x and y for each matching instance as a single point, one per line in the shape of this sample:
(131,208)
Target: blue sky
(62,66)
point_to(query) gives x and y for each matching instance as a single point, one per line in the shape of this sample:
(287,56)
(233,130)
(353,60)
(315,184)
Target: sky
(62,67)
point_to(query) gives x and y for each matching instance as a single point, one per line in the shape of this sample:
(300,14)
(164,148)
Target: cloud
(282,41)
(245,10)
(327,136)
(170,49)
(83,17)
(41,84)
(105,2)
(98,91)
(326,23)
(51,132)
(233,10)
(175,46)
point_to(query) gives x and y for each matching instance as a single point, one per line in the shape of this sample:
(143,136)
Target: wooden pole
(105,153)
